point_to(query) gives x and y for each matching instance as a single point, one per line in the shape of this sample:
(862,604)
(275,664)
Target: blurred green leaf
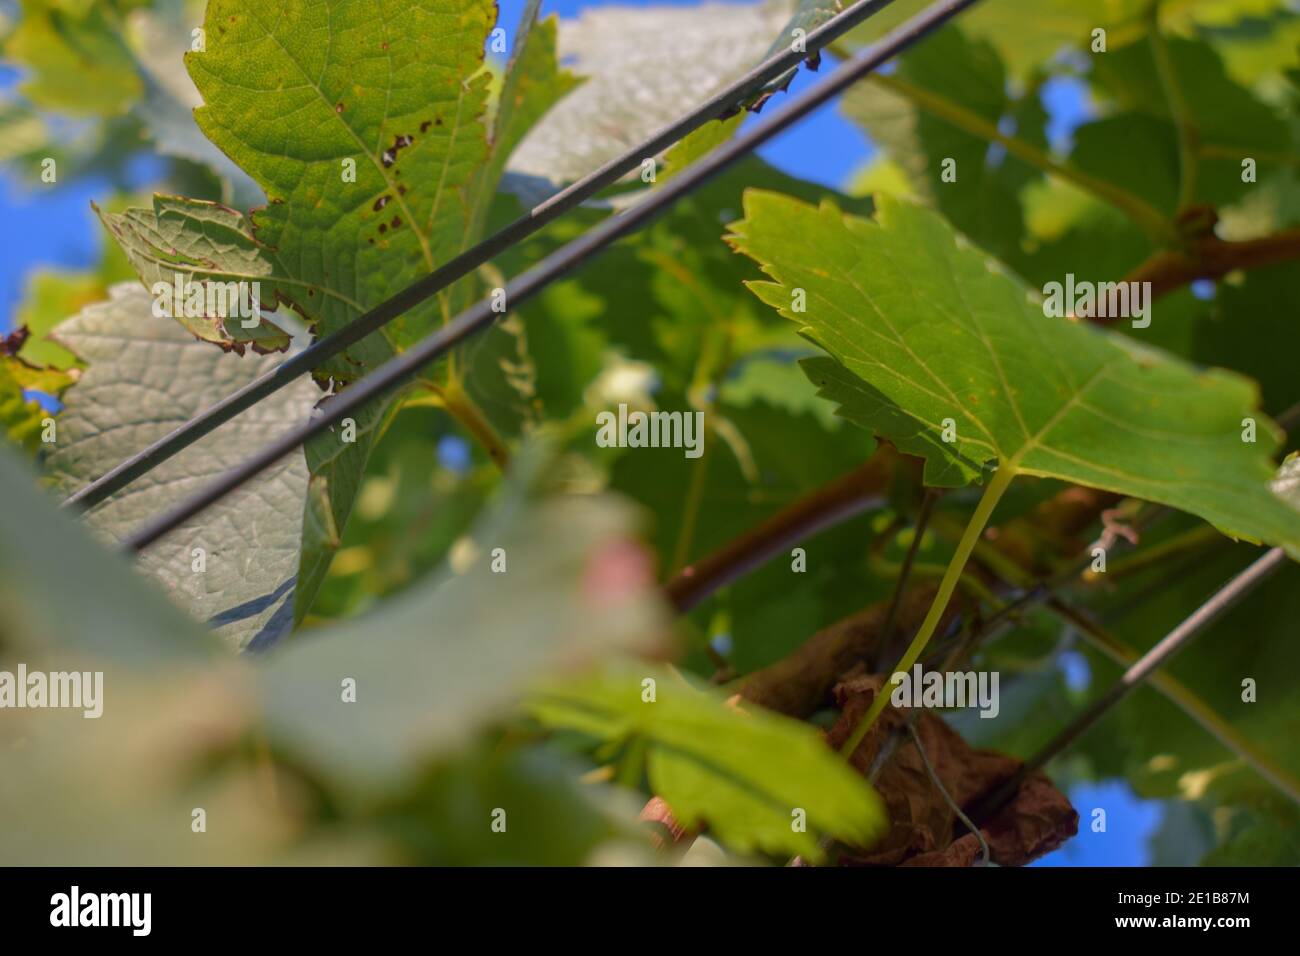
(440,660)
(75,53)
(744,775)
(20,416)
(979,192)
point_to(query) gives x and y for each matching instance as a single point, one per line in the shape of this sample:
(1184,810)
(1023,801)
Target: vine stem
(1147,218)
(460,406)
(1181,696)
(1182,116)
(999,483)
(905,572)
(837,501)
(1226,598)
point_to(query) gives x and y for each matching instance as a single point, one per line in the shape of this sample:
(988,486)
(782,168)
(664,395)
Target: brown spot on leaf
(390,154)
(424,127)
(383,227)
(397,222)
(338,107)
(381,202)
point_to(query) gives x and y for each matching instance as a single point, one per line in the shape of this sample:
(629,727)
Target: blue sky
(55,227)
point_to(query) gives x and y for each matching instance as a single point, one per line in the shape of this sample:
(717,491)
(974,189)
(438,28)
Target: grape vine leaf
(807,16)
(742,774)
(1040,396)
(1241,317)
(904,113)
(1029,32)
(146,375)
(644,68)
(206,242)
(366,131)
(533,83)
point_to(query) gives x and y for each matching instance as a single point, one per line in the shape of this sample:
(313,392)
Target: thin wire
(565,259)
(918,532)
(947,798)
(1196,623)
(466,262)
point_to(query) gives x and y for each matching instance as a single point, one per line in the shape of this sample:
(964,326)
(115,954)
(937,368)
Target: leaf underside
(930,329)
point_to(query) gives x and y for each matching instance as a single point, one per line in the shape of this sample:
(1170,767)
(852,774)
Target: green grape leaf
(24,136)
(699,143)
(856,401)
(364,129)
(366,132)
(974,355)
(553,817)
(777,381)
(744,775)
(1028,33)
(208,245)
(396,96)
(78,62)
(145,376)
(533,84)
(1241,320)
(1254,43)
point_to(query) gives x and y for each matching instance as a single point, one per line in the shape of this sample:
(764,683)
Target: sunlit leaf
(974,355)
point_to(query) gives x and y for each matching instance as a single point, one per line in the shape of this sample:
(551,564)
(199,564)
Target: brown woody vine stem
(1210,257)
(837,501)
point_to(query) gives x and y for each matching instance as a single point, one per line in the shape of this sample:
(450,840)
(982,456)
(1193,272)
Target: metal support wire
(564,260)
(1226,598)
